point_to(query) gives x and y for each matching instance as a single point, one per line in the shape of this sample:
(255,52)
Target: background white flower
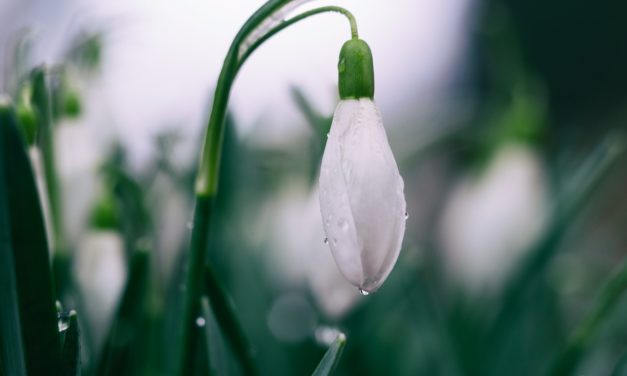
(491,219)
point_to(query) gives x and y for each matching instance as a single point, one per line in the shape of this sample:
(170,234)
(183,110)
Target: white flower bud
(492,219)
(361,195)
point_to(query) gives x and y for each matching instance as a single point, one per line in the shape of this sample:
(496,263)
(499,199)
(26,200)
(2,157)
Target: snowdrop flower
(361,191)
(490,220)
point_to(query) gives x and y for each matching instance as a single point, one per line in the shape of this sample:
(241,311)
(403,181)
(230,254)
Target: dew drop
(63,326)
(406,215)
(200,322)
(327,135)
(343,224)
(326,240)
(364,292)
(63,322)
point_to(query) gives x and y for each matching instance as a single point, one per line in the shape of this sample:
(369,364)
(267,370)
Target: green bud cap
(72,104)
(105,214)
(356,72)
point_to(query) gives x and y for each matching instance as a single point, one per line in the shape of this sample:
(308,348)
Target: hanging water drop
(63,322)
(200,322)
(406,215)
(364,292)
(326,240)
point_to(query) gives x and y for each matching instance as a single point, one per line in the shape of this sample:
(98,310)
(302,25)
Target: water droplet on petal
(327,135)
(200,322)
(364,292)
(406,215)
(343,224)
(326,240)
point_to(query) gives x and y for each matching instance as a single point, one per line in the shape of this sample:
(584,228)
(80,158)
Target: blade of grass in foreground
(120,347)
(607,300)
(36,302)
(621,366)
(70,349)
(583,186)
(332,357)
(11,350)
(227,319)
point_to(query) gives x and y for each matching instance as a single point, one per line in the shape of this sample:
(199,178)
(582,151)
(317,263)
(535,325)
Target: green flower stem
(191,296)
(206,186)
(207,179)
(608,299)
(295,19)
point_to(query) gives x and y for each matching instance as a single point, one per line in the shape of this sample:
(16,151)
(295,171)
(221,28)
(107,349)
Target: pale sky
(162,59)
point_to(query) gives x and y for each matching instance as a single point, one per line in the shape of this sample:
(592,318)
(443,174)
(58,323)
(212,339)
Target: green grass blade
(11,348)
(70,350)
(118,355)
(43,103)
(38,316)
(332,357)
(607,300)
(621,367)
(584,185)
(214,346)
(227,319)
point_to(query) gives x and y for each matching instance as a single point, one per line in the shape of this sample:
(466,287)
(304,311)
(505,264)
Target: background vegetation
(513,261)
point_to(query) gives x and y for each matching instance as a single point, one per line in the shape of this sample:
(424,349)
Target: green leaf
(70,349)
(227,319)
(607,300)
(11,347)
(27,236)
(621,367)
(583,186)
(118,355)
(332,357)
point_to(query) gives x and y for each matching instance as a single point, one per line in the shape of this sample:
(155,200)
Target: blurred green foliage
(549,75)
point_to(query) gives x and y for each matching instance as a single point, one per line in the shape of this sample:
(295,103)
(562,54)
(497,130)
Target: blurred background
(507,119)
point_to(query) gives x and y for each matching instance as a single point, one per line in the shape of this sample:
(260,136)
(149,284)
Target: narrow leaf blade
(38,316)
(11,347)
(70,353)
(118,353)
(332,357)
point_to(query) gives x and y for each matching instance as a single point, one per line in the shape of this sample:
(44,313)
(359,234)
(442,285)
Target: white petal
(361,195)
(491,220)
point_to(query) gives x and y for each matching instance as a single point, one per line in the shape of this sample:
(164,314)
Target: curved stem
(295,19)
(206,185)
(208,170)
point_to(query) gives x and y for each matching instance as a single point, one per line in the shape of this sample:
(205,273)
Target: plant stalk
(206,186)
